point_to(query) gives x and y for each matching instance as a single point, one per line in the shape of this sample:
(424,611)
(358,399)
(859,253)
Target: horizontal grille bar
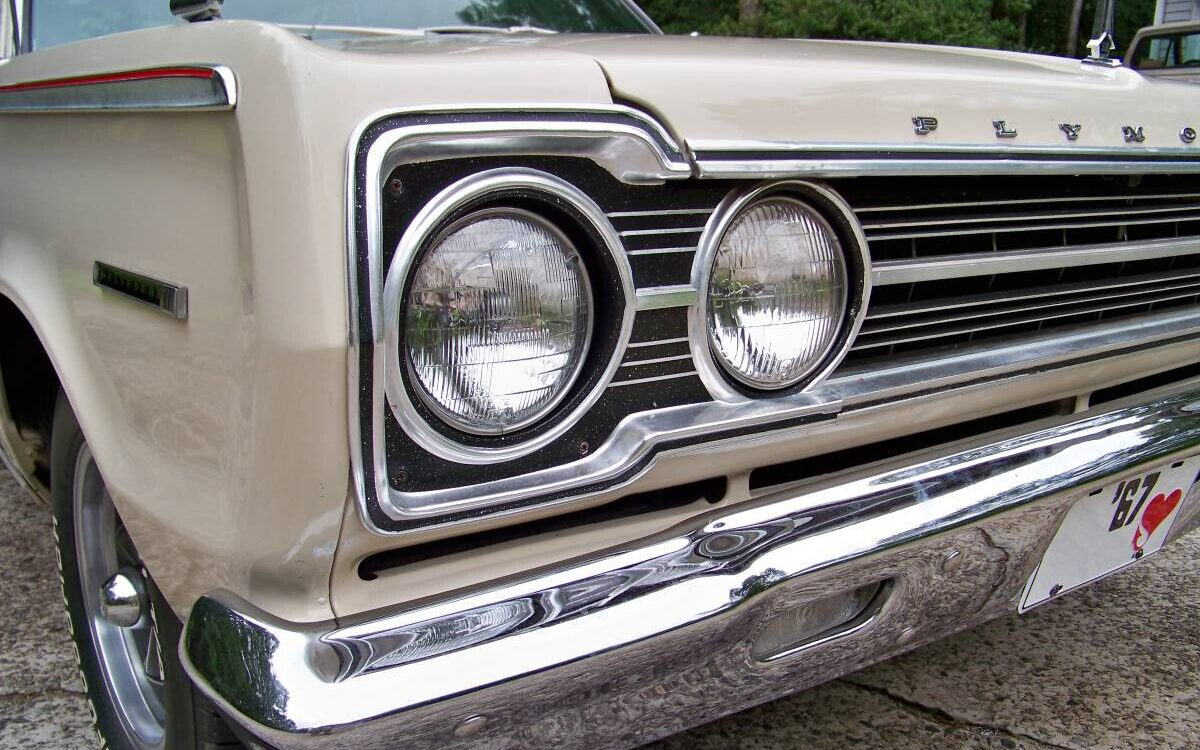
(1044,294)
(1074,300)
(662,250)
(938,331)
(1117,221)
(663,212)
(982,264)
(1029,217)
(1024,202)
(672,230)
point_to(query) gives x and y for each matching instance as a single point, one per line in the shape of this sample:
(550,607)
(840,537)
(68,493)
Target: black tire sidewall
(67,441)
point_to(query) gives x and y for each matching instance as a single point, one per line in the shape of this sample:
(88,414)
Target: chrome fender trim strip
(181,87)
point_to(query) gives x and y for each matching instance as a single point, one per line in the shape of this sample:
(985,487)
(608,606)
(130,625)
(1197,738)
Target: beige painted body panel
(224,438)
(713,89)
(864,93)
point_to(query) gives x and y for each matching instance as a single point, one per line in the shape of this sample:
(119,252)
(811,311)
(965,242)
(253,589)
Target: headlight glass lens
(498,321)
(777,294)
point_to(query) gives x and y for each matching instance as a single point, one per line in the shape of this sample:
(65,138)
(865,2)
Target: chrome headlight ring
(726,386)
(427,222)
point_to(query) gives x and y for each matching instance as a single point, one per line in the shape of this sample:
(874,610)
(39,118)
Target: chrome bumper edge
(648,640)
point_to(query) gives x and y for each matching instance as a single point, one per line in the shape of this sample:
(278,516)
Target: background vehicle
(1170,51)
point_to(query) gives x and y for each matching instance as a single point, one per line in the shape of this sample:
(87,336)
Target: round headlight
(777,294)
(497,321)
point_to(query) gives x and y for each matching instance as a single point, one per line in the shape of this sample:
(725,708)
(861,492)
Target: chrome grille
(972,259)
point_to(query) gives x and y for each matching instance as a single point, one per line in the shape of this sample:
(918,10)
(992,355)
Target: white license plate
(1110,528)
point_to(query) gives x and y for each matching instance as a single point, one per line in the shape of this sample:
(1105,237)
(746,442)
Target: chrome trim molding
(627,152)
(657,378)
(651,232)
(1011,261)
(779,160)
(662,297)
(389,356)
(1024,201)
(667,212)
(714,376)
(1006,219)
(817,168)
(175,88)
(658,342)
(667,624)
(10,30)
(662,251)
(656,360)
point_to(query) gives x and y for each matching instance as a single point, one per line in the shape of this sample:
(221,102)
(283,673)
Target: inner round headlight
(777,294)
(497,321)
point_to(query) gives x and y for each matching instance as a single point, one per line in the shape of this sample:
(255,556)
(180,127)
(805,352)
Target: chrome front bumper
(652,638)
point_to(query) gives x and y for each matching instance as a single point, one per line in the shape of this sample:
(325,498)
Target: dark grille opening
(831,463)
(1141,385)
(710,490)
(929,314)
(966,217)
(956,216)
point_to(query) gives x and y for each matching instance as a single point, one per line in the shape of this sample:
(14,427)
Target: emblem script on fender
(1132,134)
(1072,131)
(924,125)
(1003,130)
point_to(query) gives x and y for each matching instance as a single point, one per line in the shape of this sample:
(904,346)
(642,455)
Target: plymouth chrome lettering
(1132,134)
(1072,131)
(923,125)
(1002,129)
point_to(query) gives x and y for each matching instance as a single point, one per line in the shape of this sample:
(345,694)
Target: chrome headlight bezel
(436,240)
(722,382)
(602,251)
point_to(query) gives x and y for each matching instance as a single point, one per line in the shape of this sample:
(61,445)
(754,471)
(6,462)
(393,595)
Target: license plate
(1110,528)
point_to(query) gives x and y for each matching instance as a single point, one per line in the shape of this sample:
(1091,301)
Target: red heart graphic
(1156,512)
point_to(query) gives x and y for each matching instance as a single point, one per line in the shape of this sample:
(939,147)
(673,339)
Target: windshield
(60,21)
(1180,50)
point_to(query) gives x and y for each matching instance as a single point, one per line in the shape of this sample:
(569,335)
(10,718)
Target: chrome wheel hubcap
(118,611)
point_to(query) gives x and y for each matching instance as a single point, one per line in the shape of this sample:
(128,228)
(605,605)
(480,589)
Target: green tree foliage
(1031,25)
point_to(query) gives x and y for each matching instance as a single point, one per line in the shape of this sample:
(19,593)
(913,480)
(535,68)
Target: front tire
(126,636)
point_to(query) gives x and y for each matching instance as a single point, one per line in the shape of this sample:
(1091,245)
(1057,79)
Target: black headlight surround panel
(409,467)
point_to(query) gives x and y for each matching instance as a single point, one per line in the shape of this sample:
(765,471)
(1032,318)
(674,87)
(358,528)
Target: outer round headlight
(777,294)
(497,321)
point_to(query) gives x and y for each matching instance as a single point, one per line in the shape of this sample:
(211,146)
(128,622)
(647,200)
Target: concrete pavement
(1112,667)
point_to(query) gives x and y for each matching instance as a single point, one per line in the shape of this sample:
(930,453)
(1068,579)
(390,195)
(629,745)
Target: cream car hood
(723,92)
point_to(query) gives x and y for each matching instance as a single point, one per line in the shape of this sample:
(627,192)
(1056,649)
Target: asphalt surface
(1116,665)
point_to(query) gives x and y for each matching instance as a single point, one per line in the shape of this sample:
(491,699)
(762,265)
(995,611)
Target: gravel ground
(1114,666)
